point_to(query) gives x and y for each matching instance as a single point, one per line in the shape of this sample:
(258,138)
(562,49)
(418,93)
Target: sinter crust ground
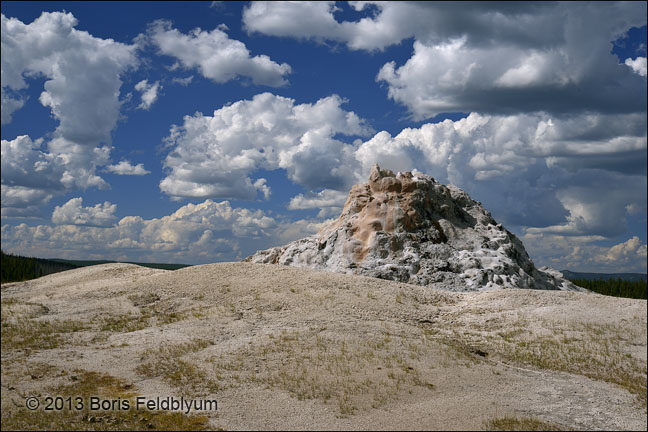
(289,348)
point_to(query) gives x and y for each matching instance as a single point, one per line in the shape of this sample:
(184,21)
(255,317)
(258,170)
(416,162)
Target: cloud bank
(82,90)
(215,156)
(201,232)
(535,170)
(491,58)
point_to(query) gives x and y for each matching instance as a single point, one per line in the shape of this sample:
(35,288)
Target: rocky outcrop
(410,228)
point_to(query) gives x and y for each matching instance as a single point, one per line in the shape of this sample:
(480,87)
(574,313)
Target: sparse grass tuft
(152,314)
(143,299)
(399,297)
(521,424)
(123,323)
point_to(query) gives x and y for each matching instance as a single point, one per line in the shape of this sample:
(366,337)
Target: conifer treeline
(15,268)
(615,287)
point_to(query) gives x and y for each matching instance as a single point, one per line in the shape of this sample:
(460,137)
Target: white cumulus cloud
(261,185)
(480,147)
(586,253)
(22,201)
(536,170)
(638,65)
(454,76)
(202,232)
(126,168)
(315,20)
(30,176)
(216,56)
(489,58)
(9,105)
(330,202)
(81,89)
(630,250)
(214,156)
(73,213)
(298,19)
(532,170)
(149,93)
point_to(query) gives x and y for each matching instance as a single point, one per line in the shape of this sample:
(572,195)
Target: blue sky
(197,132)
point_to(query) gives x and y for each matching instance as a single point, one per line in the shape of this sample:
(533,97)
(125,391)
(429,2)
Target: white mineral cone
(410,228)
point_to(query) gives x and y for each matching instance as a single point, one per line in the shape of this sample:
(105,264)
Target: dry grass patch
(152,313)
(351,373)
(457,350)
(167,363)
(22,330)
(85,384)
(597,351)
(38,335)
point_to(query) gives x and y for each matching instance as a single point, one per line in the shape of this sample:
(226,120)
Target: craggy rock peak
(410,228)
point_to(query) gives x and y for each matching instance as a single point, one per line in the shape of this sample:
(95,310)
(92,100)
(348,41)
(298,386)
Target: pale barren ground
(287,348)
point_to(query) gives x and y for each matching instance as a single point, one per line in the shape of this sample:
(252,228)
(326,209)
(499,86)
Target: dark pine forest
(16,268)
(615,287)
